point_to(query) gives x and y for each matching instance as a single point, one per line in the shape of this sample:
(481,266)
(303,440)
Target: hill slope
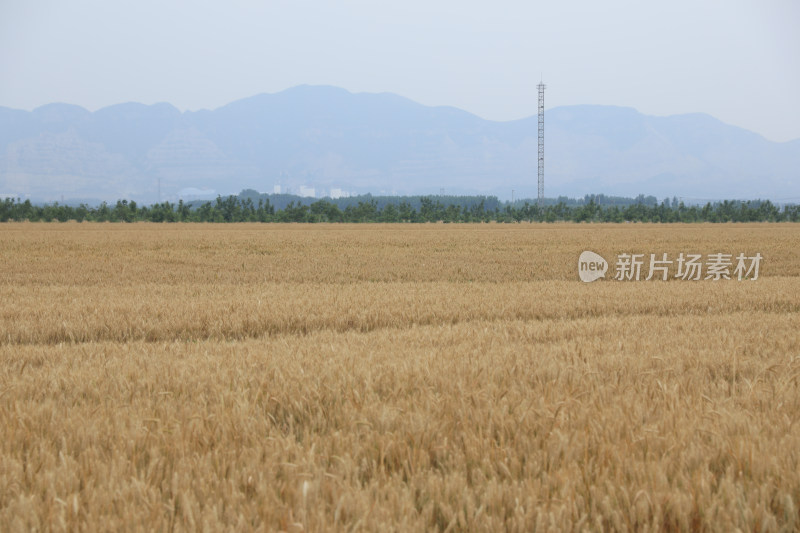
(327,138)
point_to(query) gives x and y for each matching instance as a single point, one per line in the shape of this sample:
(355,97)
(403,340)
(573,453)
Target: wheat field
(394,377)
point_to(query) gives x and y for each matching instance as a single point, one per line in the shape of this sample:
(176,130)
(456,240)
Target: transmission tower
(541,88)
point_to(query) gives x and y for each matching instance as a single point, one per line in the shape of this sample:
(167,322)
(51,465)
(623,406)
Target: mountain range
(336,142)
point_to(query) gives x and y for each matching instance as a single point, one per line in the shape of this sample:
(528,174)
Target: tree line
(421,209)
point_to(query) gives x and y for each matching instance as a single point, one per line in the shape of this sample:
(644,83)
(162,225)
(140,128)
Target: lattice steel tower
(541,88)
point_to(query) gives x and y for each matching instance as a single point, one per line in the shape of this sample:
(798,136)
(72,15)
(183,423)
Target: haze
(737,61)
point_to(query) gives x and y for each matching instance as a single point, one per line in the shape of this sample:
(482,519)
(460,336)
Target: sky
(737,60)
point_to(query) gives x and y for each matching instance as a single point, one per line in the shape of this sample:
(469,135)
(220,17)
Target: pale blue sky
(736,60)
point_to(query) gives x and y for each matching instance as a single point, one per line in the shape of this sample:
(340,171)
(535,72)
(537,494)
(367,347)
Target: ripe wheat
(308,378)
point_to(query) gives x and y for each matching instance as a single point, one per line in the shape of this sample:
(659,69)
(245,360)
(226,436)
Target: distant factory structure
(309,192)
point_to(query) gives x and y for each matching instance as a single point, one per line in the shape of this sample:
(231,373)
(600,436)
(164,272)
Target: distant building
(276,189)
(307,191)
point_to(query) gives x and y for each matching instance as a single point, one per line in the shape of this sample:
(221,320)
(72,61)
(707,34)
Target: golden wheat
(308,378)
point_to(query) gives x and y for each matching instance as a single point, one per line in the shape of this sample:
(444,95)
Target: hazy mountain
(327,138)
